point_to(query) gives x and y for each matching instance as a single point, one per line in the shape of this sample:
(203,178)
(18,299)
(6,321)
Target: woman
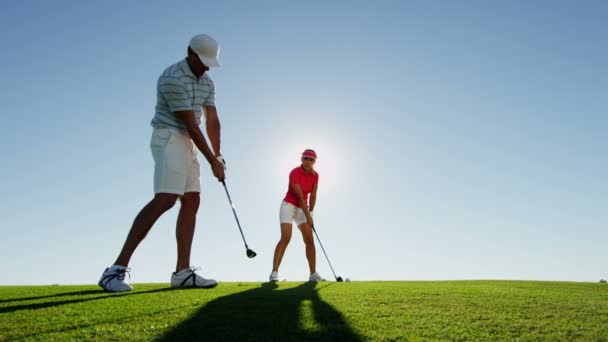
(303,180)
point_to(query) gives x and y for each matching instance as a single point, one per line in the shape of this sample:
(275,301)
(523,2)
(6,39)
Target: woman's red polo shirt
(306,182)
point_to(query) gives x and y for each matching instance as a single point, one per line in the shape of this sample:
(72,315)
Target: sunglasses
(308,158)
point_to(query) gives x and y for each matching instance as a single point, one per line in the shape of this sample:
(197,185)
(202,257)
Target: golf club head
(339,279)
(250,253)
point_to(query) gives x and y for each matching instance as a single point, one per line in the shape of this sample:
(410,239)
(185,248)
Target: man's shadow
(266,315)
(83,297)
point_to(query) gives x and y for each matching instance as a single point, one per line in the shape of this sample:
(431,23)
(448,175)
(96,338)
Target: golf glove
(223,161)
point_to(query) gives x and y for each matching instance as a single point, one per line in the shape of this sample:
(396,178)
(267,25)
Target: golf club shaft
(238,223)
(323,249)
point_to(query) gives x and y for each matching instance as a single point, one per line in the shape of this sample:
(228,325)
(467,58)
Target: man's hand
(218,169)
(223,161)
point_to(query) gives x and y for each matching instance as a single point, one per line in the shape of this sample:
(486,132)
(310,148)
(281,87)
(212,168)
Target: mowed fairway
(376,311)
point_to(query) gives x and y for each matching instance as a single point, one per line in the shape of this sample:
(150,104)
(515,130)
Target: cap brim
(212,63)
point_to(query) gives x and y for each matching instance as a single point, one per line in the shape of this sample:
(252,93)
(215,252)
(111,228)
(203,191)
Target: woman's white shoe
(315,277)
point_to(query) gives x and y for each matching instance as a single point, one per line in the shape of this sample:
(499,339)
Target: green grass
(451,310)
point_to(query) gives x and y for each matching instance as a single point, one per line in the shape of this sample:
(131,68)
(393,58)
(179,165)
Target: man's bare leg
(184,230)
(143,223)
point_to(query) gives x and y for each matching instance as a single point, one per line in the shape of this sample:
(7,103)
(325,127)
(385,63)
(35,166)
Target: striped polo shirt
(178,89)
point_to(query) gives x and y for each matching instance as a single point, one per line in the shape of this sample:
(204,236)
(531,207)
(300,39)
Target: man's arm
(199,140)
(213,127)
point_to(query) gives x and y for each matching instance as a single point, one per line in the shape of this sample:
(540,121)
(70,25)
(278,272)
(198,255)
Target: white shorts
(176,167)
(290,213)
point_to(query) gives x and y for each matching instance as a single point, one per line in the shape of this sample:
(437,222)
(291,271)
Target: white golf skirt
(290,213)
(176,166)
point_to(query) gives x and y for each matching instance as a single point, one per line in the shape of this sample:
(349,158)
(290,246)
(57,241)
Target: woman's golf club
(250,253)
(338,279)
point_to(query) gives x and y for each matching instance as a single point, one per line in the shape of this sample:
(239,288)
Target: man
(184,91)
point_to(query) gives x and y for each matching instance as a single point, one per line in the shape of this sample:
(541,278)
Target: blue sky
(457,140)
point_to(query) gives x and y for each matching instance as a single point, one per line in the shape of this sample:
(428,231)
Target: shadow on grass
(62,294)
(266,315)
(53,303)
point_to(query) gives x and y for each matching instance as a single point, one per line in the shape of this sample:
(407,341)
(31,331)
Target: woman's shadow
(265,314)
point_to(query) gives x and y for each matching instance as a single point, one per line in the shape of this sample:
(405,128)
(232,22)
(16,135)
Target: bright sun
(328,164)
(330,140)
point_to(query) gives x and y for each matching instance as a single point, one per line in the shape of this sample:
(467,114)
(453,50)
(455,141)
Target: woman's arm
(297,190)
(313,198)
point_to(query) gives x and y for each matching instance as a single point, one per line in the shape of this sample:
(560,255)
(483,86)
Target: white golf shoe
(274,276)
(315,277)
(113,279)
(188,278)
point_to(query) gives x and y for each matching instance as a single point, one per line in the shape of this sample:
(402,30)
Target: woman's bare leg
(309,240)
(281,246)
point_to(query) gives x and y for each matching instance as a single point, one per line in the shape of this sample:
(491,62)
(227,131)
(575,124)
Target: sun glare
(328,164)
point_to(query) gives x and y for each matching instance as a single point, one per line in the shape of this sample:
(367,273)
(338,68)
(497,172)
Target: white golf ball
(347,279)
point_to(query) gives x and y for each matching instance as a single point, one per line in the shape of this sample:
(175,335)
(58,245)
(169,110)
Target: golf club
(250,253)
(338,279)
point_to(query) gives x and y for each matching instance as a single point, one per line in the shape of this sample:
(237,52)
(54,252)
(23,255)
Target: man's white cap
(206,48)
